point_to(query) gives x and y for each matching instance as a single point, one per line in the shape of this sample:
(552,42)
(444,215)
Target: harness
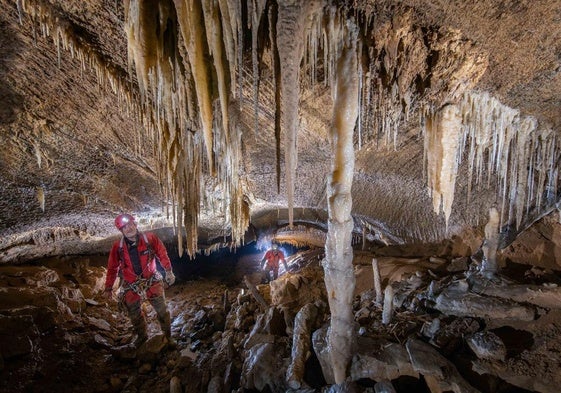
(140,285)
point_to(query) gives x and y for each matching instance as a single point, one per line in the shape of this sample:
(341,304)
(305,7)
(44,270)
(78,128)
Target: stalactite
(229,34)
(441,144)
(338,267)
(191,23)
(291,28)
(214,31)
(64,37)
(277,90)
(510,150)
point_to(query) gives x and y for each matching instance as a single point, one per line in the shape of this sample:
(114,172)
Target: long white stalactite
(338,263)
(293,22)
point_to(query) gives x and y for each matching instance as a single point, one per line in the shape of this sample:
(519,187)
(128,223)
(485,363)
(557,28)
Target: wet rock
(175,385)
(430,328)
(202,333)
(124,352)
(34,276)
(116,383)
(215,385)
(40,297)
(440,375)
(451,333)
(487,345)
(226,346)
(93,278)
(258,338)
(102,341)
(272,322)
(18,335)
(187,354)
(460,303)
(298,289)
(363,315)
(305,322)
(548,296)
(384,387)
(150,350)
(99,323)
(73,299)
(265,365)
(243,318)
(321,349)
(344,387)
(458,265)
(44,318)
(145,368)
(217,319)
(380,360)
(195,345)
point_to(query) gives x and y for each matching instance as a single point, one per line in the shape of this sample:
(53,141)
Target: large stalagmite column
(491,244)
(338,264)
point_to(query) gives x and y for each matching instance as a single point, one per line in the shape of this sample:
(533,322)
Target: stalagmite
(377,280)
(338,266)
(175,385)
(387,312)
(491,244)
(304,323)
(41,198)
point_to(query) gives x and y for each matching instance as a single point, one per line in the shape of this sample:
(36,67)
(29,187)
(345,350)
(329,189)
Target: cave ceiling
(216,118)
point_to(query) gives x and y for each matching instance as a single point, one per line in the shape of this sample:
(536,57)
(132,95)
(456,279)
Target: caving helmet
(274,245)
(122,220)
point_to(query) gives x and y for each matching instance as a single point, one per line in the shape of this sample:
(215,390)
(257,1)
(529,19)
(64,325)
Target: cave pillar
(338,263)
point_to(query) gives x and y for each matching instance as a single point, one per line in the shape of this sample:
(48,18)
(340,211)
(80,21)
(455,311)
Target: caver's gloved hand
(170,277)
(108,293)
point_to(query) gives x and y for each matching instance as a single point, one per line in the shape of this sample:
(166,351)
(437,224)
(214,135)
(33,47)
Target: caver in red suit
(133,258)
(270,262)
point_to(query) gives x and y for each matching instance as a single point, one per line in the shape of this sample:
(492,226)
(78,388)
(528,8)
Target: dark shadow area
(220,264)
(485,383)
(516,341)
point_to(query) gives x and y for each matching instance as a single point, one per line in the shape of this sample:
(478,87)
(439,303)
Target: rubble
(447,328)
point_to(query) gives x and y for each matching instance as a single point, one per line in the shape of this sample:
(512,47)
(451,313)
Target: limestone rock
(380,360)
(439,373)
(487,345)
(265,366)
(18,336)
(457,303)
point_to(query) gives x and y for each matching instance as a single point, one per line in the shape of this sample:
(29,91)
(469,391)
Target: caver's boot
(164,318)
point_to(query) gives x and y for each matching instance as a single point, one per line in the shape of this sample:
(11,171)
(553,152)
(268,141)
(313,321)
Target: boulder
(18,335)
(487,345)
(265,366)
(380,360)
